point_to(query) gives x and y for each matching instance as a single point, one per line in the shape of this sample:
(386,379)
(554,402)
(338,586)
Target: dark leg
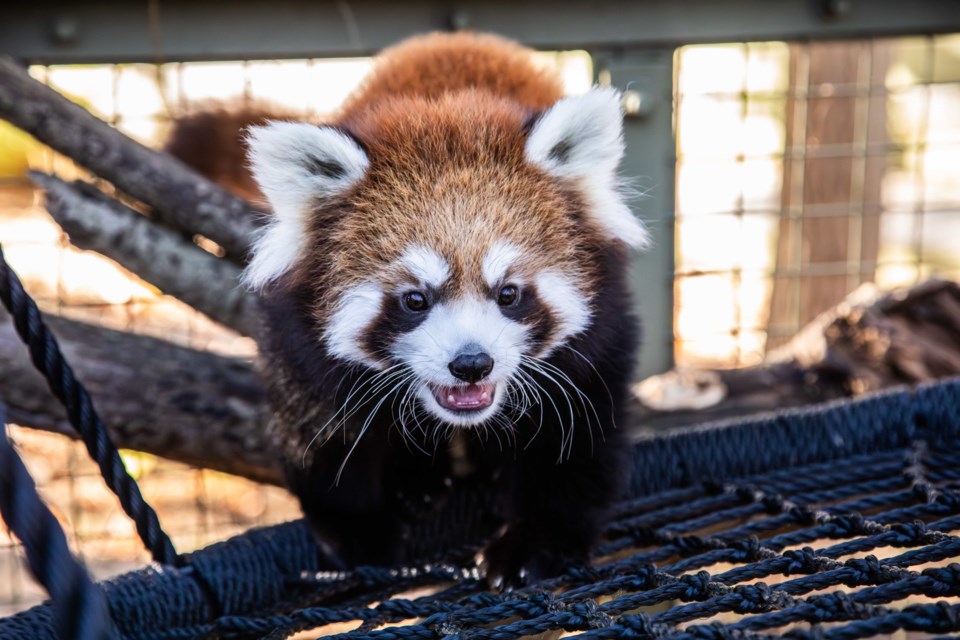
(353,519)
(561,507)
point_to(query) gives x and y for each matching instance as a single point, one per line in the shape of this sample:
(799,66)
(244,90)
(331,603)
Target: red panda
(446,260)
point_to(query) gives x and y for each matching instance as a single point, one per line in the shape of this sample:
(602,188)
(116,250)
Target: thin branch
(155,253)
(179,197)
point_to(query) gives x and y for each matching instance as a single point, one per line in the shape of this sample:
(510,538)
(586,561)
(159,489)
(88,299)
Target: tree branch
(180,198)
(870,341)
(155,253)
(190,406)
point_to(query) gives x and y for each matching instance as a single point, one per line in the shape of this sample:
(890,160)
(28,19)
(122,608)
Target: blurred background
(786,153)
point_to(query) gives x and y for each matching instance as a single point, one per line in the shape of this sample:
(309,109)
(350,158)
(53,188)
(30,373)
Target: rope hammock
(758,529)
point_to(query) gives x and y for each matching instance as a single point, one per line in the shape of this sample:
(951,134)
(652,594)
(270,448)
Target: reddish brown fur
(433,65)
(448,170)
(209,140)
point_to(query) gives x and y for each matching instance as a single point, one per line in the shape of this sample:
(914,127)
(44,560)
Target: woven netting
(832,523)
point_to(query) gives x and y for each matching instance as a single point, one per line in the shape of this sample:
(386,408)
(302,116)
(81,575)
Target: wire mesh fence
(201,506)
(803,171)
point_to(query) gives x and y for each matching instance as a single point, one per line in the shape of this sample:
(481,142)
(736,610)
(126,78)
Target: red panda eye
(508,295)
(415,301)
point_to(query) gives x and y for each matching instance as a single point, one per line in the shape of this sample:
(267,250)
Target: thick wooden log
(155,253)
(178,196)
(210,410)
(190,406)
(869,342)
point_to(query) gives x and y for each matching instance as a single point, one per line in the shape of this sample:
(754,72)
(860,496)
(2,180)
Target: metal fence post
(646,78)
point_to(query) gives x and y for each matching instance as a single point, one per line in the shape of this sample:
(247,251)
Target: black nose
(471,367)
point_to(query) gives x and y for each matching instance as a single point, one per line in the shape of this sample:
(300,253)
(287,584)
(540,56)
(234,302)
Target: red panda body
(445,302)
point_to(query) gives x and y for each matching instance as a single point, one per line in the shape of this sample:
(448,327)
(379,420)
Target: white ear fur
(580,138)
(297,166)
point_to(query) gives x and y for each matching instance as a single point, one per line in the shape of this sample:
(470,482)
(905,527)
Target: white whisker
(353,389)
(566,440)
(365,427)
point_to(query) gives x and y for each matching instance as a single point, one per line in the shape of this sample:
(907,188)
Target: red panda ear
(580,138)
(297,166)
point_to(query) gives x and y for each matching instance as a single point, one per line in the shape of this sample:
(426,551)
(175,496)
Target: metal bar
(65,31)
(830,90)
(833,150)
(649,167)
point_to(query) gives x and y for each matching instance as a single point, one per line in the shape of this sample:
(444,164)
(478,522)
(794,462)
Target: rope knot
(805,561)
(371,576)
(757,598)
(946,580)
(540,603)
(806,516)
(775,503)
(911,534)
(830,606)
(924,491)
(696,544)
(712,631)
(869,570)
(698,586)
(445,625)
(854,524)
(645,536)
(640,577)
(949,498)
(749,493)
(749,550)
(588,614)
(639,625)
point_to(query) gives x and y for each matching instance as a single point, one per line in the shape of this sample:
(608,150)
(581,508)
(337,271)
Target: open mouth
(472,397)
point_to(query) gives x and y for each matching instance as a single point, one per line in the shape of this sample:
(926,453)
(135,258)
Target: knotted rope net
(838,522)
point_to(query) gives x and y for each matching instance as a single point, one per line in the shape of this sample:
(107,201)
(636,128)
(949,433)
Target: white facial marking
(297,166)
(449,328)
(580,138)
(571,308)
(356,309)
(498,259)
(426,265)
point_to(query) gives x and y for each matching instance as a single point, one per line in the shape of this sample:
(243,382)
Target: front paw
(517,559)
(360,540)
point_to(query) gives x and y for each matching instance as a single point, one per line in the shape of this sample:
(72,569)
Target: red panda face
(462,336)
(451,242)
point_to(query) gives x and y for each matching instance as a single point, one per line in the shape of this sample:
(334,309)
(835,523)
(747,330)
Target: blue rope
(460,610)
(576,611)
(79,608)
(48,359)
(266,583)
